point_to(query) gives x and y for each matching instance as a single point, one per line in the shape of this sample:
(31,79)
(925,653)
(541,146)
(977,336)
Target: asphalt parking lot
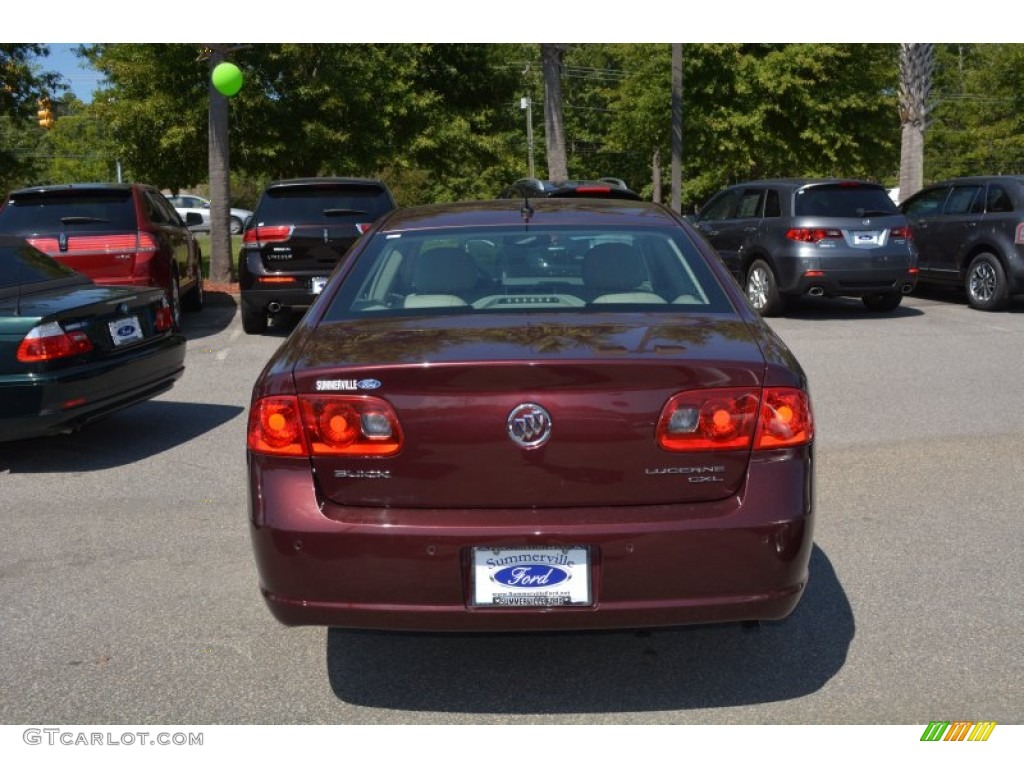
(131,597)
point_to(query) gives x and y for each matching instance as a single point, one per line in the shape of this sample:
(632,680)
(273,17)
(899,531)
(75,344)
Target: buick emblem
(529,425)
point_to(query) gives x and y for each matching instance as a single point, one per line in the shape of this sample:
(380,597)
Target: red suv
(117,234)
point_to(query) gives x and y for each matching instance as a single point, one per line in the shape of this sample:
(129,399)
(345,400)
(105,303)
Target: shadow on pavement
(127,436)
(687,668)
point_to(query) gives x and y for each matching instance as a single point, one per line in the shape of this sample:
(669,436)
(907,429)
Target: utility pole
(526,104)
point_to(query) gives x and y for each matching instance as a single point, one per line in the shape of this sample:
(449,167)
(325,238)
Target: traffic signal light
(45,113)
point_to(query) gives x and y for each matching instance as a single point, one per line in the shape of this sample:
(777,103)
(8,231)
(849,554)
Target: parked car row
(785,238)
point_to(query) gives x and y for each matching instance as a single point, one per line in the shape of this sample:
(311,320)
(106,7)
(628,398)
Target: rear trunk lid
(604,382)
(308,227)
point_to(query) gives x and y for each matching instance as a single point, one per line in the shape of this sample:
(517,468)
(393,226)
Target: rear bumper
(34,405)
(742,558)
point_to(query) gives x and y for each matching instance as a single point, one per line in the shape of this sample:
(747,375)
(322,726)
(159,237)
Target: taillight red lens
(51,342)
(785,419)
(735,419)
(324,425)
(363,227)
(813,235)
(147,243)
(164,319)
(275,427)
(902,233)
(268,234)
(707,420)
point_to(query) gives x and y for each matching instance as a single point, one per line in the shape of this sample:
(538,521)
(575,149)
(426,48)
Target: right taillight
(735,419)
(274,234)
(902,233)
(324,425)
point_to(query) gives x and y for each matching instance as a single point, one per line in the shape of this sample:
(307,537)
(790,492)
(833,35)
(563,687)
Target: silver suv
(784,238)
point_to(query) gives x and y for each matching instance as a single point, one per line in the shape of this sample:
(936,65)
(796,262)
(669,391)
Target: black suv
(117,234)
(605,187)
(300,230)
(784,238)
(970,232)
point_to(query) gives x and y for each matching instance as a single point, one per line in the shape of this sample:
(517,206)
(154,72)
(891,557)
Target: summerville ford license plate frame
(530,577)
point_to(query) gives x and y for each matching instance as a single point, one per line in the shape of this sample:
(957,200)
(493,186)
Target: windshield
(499,269)
(21,264)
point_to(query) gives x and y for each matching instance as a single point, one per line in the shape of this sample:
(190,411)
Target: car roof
(542,210)
(977,179)
(325,180)
(795,183)
(80,187)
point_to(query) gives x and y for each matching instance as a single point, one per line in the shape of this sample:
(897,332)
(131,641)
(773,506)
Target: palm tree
(916,64)
(551,55)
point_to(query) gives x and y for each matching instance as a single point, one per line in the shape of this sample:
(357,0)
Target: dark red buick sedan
(531,415)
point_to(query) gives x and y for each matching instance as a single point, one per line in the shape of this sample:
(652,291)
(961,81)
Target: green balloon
(227,78)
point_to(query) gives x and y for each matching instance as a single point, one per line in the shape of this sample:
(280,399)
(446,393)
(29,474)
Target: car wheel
(254,322)
(236,226)
(763,290)
(174,298)
(882,302)
(986,284)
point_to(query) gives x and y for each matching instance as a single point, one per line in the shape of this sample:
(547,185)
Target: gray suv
(784,238)
(970,232)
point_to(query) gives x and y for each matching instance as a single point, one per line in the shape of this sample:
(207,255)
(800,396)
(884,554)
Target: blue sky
(81,78)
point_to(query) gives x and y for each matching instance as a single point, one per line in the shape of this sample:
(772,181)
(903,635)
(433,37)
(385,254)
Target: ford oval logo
(126,330)
(530,576)
(529,425)
(368,384)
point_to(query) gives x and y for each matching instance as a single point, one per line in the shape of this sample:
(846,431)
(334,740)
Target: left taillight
(51,342)
(324,425)
(164,317)
(735,419)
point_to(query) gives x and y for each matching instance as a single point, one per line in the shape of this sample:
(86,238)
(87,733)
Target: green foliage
(977,125)
(443,122)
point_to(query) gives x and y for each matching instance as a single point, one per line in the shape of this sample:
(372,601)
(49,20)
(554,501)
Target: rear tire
(987,288)
(235,225)
(762,290)
(254,322)
(174,299)
(882,302)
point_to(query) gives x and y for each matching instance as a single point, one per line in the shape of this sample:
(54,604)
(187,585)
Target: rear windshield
(854,200)
(34,212)
(21,264)
(322,203)
(546,269)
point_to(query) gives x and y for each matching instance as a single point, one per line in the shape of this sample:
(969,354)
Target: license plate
(125,330)
(317,284)
(866,238)
(530,577)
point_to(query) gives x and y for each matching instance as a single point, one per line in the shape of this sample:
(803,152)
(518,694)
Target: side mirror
(194,219)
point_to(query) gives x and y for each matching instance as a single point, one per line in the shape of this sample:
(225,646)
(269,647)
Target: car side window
(722,206)
(750,204)
(927,204)
(772,205)
(964,199)
(998,200)
(154,211)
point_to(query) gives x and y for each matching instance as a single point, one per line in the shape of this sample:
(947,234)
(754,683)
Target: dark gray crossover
(970,233)
(785,238)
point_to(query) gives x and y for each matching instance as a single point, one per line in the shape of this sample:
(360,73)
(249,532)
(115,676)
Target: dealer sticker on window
(530,577)
(317,284)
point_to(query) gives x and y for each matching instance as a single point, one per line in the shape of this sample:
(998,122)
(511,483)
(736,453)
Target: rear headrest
(613,267)
(444,270)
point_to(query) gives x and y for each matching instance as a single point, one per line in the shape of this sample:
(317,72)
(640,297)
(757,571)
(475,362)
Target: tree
(552,55)
(915,86)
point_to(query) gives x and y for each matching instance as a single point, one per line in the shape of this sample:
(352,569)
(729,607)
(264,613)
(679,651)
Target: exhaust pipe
(907,288)
(817,291)
(274,307)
